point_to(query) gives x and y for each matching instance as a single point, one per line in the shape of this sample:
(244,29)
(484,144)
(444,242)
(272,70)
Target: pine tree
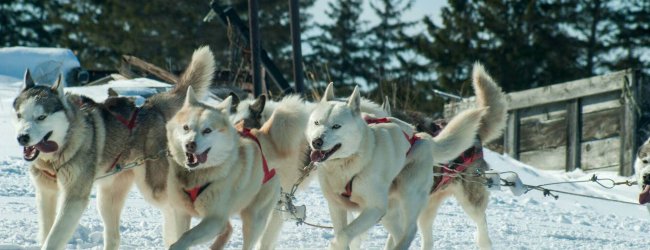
(340,47)
(521,43)
(23,23)
(386,39)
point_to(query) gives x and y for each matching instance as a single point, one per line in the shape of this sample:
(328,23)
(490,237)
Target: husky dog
(642,170)
(252,113)
(383,170)
(218,171)
(469,191)
(72,141)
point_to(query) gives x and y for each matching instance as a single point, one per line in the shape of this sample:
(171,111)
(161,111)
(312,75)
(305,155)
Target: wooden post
(574,134)
(511,140)
(629,143)
(298,76)
(150,68)
(254,34)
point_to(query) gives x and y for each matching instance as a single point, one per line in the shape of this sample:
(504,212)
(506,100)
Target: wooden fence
(588,123)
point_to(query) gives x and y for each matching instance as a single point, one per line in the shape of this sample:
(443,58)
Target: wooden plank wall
(588,124)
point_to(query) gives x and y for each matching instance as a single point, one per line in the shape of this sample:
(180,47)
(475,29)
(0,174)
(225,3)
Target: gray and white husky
(73,142)
(378,166)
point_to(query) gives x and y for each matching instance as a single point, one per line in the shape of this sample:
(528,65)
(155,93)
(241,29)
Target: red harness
(194,192)
(130,124)
(268,174)
(410,139)
(458,165)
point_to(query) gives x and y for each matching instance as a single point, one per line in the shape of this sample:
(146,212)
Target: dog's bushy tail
(489,94)
(458,135)
(198,74)
(287,124)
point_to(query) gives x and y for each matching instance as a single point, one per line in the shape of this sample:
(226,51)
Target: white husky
(384,170)
(218,171)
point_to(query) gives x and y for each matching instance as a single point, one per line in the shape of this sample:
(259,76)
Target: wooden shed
(590,123)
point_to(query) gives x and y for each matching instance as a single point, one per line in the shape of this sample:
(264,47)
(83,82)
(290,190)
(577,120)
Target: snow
(44,63)
(530,221)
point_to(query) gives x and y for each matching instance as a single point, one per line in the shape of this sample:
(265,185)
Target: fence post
(511,140)
(574,134)
(628,124)
(298,76)
(254,33)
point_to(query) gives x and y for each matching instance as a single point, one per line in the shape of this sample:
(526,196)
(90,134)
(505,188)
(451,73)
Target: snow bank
(44,63)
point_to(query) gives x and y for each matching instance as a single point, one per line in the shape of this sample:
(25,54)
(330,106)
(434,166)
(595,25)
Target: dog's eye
(207,131)
(645,161)
(19,116)
(42,117)
(316,123)
(186,128)
(336,126)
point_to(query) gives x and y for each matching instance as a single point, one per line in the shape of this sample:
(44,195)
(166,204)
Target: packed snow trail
(531,221)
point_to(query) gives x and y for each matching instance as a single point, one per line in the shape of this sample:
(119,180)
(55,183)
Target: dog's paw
(340,243)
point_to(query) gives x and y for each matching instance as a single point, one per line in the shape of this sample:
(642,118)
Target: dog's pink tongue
(47,146)
(316,155)
(202,158)
(644,196)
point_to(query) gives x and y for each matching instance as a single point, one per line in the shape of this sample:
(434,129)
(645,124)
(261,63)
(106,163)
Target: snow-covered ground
(531,221)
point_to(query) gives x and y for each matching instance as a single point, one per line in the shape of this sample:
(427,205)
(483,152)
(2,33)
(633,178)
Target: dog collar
(268,174)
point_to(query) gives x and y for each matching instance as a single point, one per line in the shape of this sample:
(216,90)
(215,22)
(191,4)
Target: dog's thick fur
(252,113)
(642,171)
(469,191)
(86,140)
(232,165)
(370,163)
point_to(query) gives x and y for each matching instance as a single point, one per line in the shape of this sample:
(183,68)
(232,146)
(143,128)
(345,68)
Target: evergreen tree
(340,48)
(386,44)
(521,43)
(23,23)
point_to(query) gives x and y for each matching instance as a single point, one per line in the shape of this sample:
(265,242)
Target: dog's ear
(28,82)
(112,93)
(190,97)
(235,102)
(226,105)
(354,102)
(328,95)
(258,106)
(386,105)
(58,86)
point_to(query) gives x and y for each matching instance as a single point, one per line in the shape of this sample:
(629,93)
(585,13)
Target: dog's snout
(646,179)
(317,143)
(23,139)
(190,146)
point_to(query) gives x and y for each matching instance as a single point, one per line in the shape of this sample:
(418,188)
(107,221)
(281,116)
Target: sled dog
(377,167)
(229,171)
(73,142)
(252,113)
(469,191)
(642,170)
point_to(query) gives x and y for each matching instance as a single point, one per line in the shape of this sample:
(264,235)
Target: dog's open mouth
(31,152)
(194,160)
(321,155)
(644,196)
